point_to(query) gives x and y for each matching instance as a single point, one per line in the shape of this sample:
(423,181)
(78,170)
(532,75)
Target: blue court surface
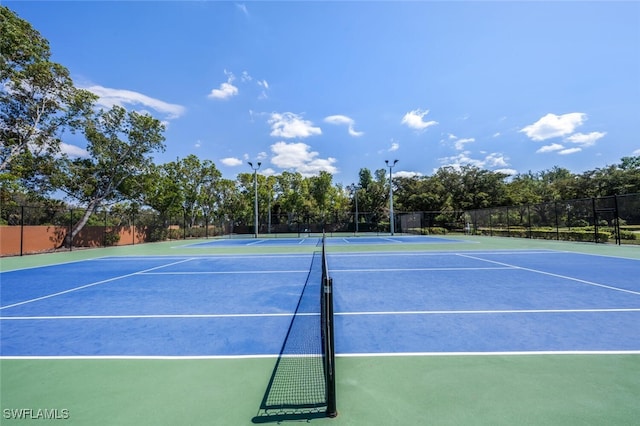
(510,301)
(317,241)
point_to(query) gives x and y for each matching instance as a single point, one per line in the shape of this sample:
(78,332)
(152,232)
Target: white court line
(159,316)
(290,314)
(338,355)
(501,353)
(51,264)
(256,242)
(224,272)
(221,256)
(91,284)
(331,270)
(553,275)
(437,253)
(492,312)
(392,240)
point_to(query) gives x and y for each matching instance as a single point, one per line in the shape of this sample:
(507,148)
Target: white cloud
(265,86)
(394,147)
(242,8)
(227,89)
(585,140)
(109,97)
(493,159)
(406,174)
(73,151)
(343,120)
(459,144)
(553,126)
(509,172)
(414,120)
(299,157)
(245,77)
(550,148)
(289,125)
(636,152)
(569,151)
(231,161)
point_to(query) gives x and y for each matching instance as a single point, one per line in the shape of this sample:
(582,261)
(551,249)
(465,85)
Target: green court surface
(385,389)
(448,390)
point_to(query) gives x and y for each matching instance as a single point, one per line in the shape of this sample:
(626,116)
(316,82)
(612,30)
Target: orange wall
(38,239)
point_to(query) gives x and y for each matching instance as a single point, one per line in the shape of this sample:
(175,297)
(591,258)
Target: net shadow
(297,388)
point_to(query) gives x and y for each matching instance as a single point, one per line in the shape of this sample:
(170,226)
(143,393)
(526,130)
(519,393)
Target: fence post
(490,222)
(617,221)
(595,220)
(21,229)
(555,209)
(70,229)
(529,220)
(104,230)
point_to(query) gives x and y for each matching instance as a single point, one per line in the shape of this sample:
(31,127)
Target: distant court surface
(463,330)
(331,241)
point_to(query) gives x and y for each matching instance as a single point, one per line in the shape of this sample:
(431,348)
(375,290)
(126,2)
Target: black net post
(330,352)
(327,335)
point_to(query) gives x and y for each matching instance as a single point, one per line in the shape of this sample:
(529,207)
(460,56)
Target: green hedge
(551,234)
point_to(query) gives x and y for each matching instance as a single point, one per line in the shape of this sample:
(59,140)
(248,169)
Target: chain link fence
(613,219)
(39,229)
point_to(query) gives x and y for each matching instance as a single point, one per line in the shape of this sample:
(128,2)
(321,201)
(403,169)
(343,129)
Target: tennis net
(302,385)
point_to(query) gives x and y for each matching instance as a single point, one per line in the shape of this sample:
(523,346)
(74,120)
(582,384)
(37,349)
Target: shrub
(111,239)
(628,235)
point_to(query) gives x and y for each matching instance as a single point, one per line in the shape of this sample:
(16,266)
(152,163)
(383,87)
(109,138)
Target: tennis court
(311,240)
(427,330)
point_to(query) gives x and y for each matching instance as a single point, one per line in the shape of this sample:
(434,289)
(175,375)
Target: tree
(418,193)
(231,201)
(292,193)
(119,145)
(196,181)
(37,102)
(320,191)
(157,188)
(373,194)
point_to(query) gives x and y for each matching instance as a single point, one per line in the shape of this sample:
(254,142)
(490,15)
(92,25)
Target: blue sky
(339,86)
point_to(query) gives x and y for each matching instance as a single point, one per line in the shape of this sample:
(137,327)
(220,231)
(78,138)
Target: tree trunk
(77,227)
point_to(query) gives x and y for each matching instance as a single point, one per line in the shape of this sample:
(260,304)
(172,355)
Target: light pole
(255,195)
(390,166)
